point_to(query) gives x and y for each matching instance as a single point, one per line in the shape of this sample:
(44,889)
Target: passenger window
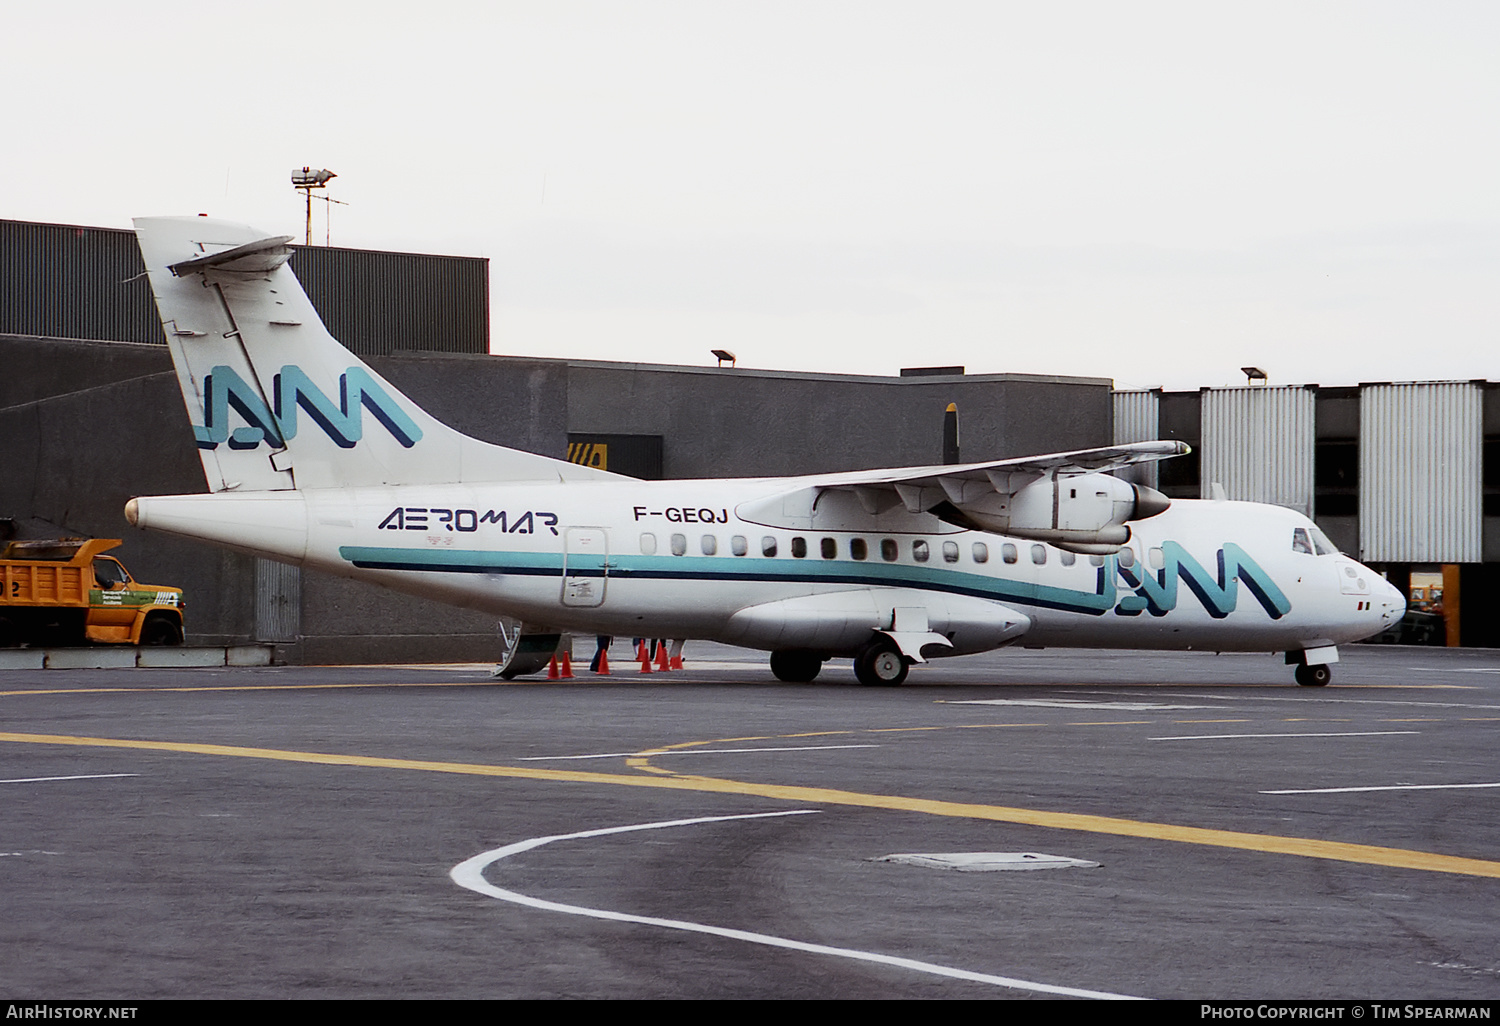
(738,545)
(1066,558)
(1156,558)
(679,544)
(950,552)
(919,551)
(1301,542)
(1127,557)
(1039,554)
(830,548)
(710,544)
(1095,559)
(889,551)
(981,552)
(858,549)
(1008,552)
(768,546)
(799,547)
(648,543)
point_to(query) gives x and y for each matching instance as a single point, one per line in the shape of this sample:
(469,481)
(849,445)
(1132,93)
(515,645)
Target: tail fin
(276,402)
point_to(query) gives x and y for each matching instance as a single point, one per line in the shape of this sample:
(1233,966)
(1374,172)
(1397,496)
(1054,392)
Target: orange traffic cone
(644,655)
(567,666)
(603,670)
(662,662)
(552,669)
(676,661)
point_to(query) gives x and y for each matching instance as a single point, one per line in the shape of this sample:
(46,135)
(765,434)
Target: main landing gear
(880,665)
(796,667)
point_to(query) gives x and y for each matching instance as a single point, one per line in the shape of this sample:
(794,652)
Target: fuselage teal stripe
(718,568)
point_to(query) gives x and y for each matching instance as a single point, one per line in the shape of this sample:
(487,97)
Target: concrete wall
(86,425)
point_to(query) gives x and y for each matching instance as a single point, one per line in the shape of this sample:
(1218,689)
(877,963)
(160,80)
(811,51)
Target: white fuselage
(677,559)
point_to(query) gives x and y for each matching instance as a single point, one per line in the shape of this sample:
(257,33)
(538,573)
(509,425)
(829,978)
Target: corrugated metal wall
(1258,443)
(1138,419)
(63,281)
(376,302)
(1421,472)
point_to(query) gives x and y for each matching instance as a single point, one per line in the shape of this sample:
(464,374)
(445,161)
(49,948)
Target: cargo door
(585,566)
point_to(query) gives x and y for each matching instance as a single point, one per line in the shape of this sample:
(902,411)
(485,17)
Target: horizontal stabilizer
(259,257)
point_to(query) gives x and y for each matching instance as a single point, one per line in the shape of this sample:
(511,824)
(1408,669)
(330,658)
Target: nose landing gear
(1313,676)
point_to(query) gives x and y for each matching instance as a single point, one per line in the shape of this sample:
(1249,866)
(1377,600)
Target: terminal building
(1398,475)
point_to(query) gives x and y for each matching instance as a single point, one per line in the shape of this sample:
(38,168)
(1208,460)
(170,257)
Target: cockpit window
(1321,543)
(1301,542)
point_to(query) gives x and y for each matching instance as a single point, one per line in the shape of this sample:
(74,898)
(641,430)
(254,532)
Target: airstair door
(585,566)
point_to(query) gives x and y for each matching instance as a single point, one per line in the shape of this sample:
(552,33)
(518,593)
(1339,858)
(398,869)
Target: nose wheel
(880,666)
(1314,676)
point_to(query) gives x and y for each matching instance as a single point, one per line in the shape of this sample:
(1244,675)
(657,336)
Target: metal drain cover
(988,861)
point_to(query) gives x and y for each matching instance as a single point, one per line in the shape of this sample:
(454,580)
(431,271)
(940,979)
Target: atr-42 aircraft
(314,459)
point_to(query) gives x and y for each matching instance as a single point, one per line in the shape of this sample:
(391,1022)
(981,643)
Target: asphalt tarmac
(394,832)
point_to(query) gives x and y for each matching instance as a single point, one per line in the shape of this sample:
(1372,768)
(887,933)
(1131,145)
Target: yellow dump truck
(64,592)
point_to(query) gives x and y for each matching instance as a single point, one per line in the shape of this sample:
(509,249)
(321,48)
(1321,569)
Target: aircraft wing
(1066,498)
(921,488)
(1061,464)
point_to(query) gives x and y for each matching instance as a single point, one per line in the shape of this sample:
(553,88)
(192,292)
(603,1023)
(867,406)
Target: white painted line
(653,753)
(1068,703)
(83,776)
(987,861)
(1347,733)
(1387,787)
(470,874)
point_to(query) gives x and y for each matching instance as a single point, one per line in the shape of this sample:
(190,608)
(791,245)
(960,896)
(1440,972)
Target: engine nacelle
(1085,513)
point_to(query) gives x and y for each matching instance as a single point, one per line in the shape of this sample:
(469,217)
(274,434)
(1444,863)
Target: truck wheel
(10,634)
(161,631)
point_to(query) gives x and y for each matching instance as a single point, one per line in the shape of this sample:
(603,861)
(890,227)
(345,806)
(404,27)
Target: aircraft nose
(1392,603)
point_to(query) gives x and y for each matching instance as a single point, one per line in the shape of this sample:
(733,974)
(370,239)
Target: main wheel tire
(1314,676)
(161,631)
(880,666)
(796,667)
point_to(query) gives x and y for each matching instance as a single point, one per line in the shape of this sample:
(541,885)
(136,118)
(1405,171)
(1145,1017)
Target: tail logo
(292,389)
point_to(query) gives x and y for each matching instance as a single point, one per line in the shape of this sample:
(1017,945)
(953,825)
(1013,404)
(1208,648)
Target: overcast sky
(1159,193)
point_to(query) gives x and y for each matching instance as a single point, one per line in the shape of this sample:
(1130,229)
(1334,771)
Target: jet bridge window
(981,552)
(1039,554)
(710,544)
(919,551)
(830,548)
(799,547)
(889,550)
(738,545)
(1008,552)
(768,546)
(858,549)
(679,545)
(648,543)
(950,552)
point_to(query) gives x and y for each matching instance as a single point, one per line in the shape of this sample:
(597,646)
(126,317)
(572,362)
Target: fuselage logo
(1155,591)
(292,390)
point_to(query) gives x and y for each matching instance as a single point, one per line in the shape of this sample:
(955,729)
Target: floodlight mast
(305,180)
